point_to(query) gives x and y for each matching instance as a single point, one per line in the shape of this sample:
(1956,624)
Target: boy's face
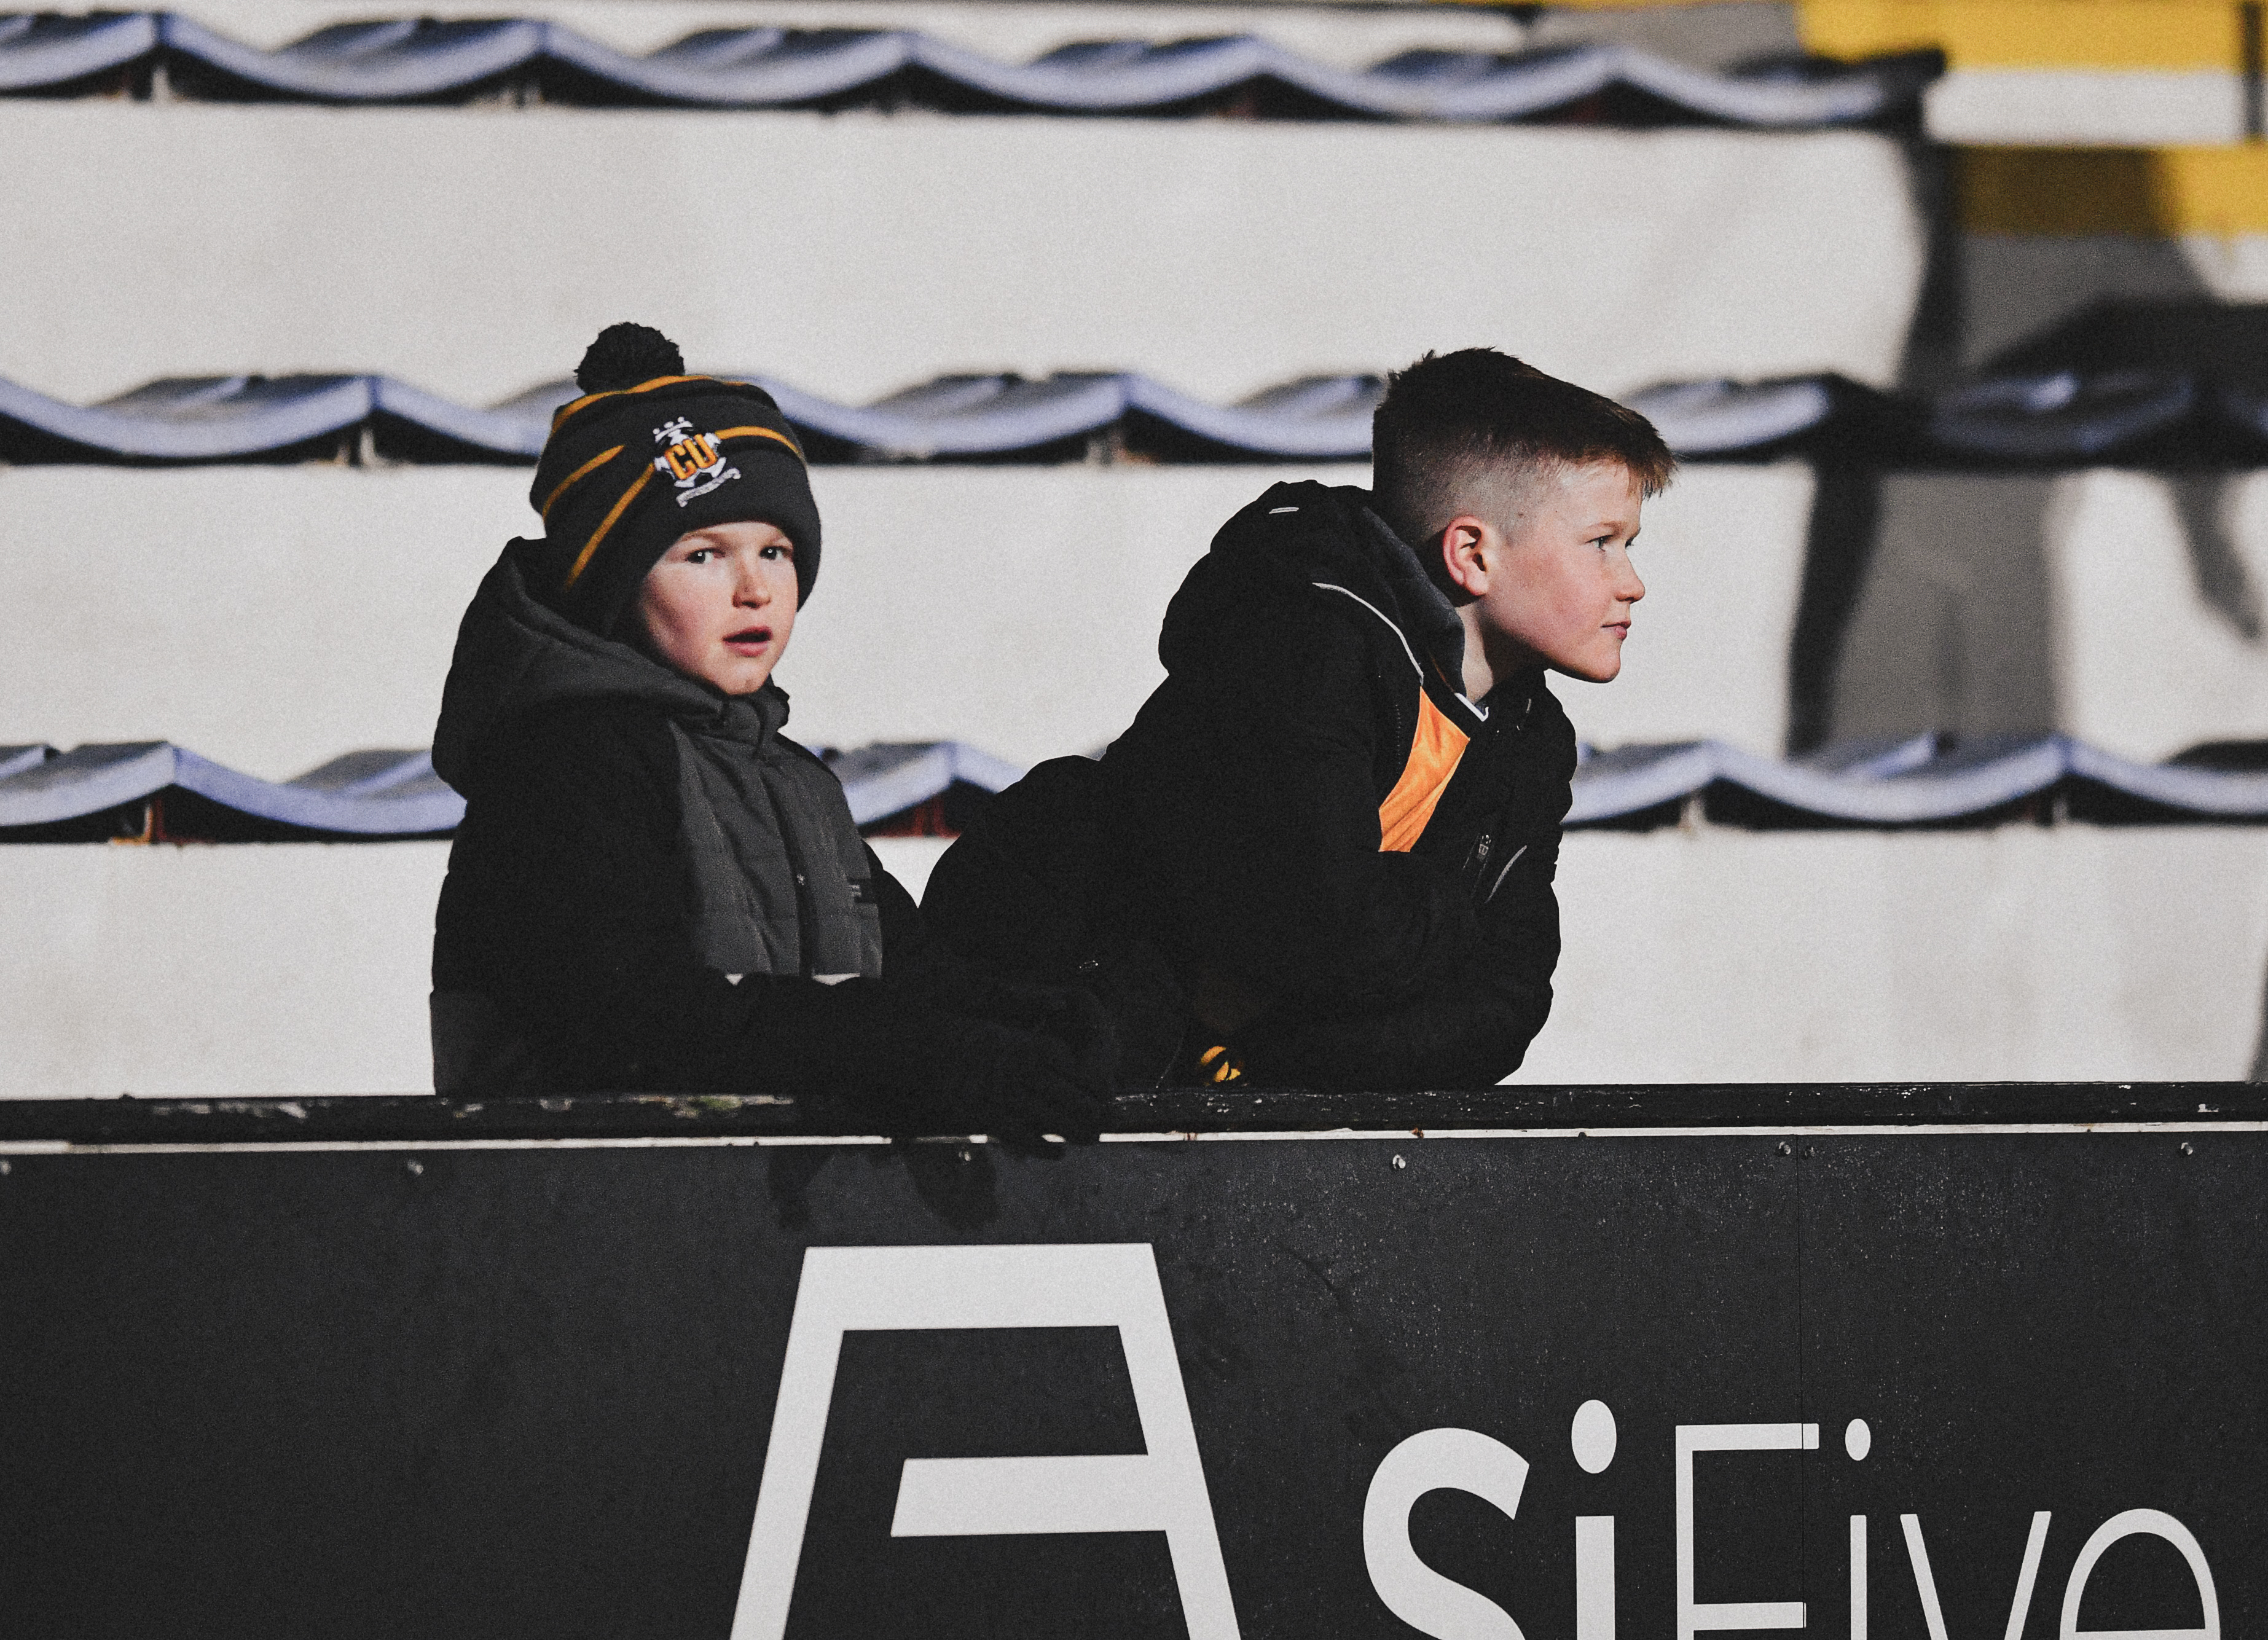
(720,603)
(1554,586)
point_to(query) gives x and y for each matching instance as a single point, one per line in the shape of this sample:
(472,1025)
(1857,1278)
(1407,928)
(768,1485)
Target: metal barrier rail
(1197,1113)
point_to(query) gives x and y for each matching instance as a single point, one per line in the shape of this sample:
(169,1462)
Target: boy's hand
(1040,1090)
(1069,1015)
(962,1075)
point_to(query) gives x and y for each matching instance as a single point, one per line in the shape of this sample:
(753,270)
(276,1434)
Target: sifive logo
(1467,1461)
(1162,1488)
(846,1289)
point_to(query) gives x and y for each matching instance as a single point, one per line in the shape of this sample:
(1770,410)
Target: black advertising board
(1909,1380)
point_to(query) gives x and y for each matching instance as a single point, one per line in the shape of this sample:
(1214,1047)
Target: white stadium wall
(291,969)
(2020,953)
(1711,955)
(1019,610)
(267,617)
(272,617)
(2129,609)
(2126,107)
(2160,602)
(475,251)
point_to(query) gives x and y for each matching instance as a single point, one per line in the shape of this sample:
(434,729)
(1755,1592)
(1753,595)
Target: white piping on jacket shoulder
(1475,707)
(1328,587)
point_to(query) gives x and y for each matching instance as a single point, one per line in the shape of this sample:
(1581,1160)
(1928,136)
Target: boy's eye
(775,550)
(699,555)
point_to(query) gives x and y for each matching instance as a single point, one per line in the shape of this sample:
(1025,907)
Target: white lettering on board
(1463,1461)
(1592,1437)
(1594,1577)
(1857,1577)
(1925,1581)
(2133,1523)
(1162,1488)
(1694,1616)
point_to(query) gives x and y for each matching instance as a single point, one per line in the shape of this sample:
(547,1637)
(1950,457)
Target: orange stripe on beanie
(647,454)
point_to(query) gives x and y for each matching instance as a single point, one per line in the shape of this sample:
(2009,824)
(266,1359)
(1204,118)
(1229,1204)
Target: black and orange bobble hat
(647,453)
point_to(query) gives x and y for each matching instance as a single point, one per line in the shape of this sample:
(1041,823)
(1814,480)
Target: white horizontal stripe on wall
(2015,954)
(2160,602)
(2018,953)
(2129,609)
(272,617)
(2109,108)
(475,251)
(290,968)
(267,617)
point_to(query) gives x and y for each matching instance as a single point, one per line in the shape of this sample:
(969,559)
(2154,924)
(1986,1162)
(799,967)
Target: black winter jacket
(1236,827)
(565,921)
(567,905)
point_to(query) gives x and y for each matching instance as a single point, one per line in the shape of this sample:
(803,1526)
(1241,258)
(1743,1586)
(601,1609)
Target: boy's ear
(1467,548)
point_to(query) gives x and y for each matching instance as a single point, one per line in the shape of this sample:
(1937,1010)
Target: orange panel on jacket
(1433,753)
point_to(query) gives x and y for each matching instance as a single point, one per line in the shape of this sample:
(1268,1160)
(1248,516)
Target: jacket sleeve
(1468,1029)
(917,962)
(1267,833)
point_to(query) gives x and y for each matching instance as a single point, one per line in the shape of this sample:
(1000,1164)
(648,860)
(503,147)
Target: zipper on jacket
(1403,734)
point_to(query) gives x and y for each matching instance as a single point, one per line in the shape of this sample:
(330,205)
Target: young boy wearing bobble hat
(653,889)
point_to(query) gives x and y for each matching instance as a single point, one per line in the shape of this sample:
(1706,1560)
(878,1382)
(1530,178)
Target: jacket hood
(1304,539)
(515,657)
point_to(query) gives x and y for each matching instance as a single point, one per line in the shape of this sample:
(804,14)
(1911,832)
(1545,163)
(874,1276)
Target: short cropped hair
(1452,422)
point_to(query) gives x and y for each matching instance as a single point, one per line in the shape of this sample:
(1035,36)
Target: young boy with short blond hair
(1323,853)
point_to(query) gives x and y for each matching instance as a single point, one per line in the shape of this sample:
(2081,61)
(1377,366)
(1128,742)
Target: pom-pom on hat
(646,454)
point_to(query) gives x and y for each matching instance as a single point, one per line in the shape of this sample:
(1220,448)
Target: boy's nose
(753,588)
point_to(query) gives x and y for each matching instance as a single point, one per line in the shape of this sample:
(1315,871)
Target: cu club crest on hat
(692,461)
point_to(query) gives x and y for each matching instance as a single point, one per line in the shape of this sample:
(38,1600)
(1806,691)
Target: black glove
(938,1072)
(1069,1015)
